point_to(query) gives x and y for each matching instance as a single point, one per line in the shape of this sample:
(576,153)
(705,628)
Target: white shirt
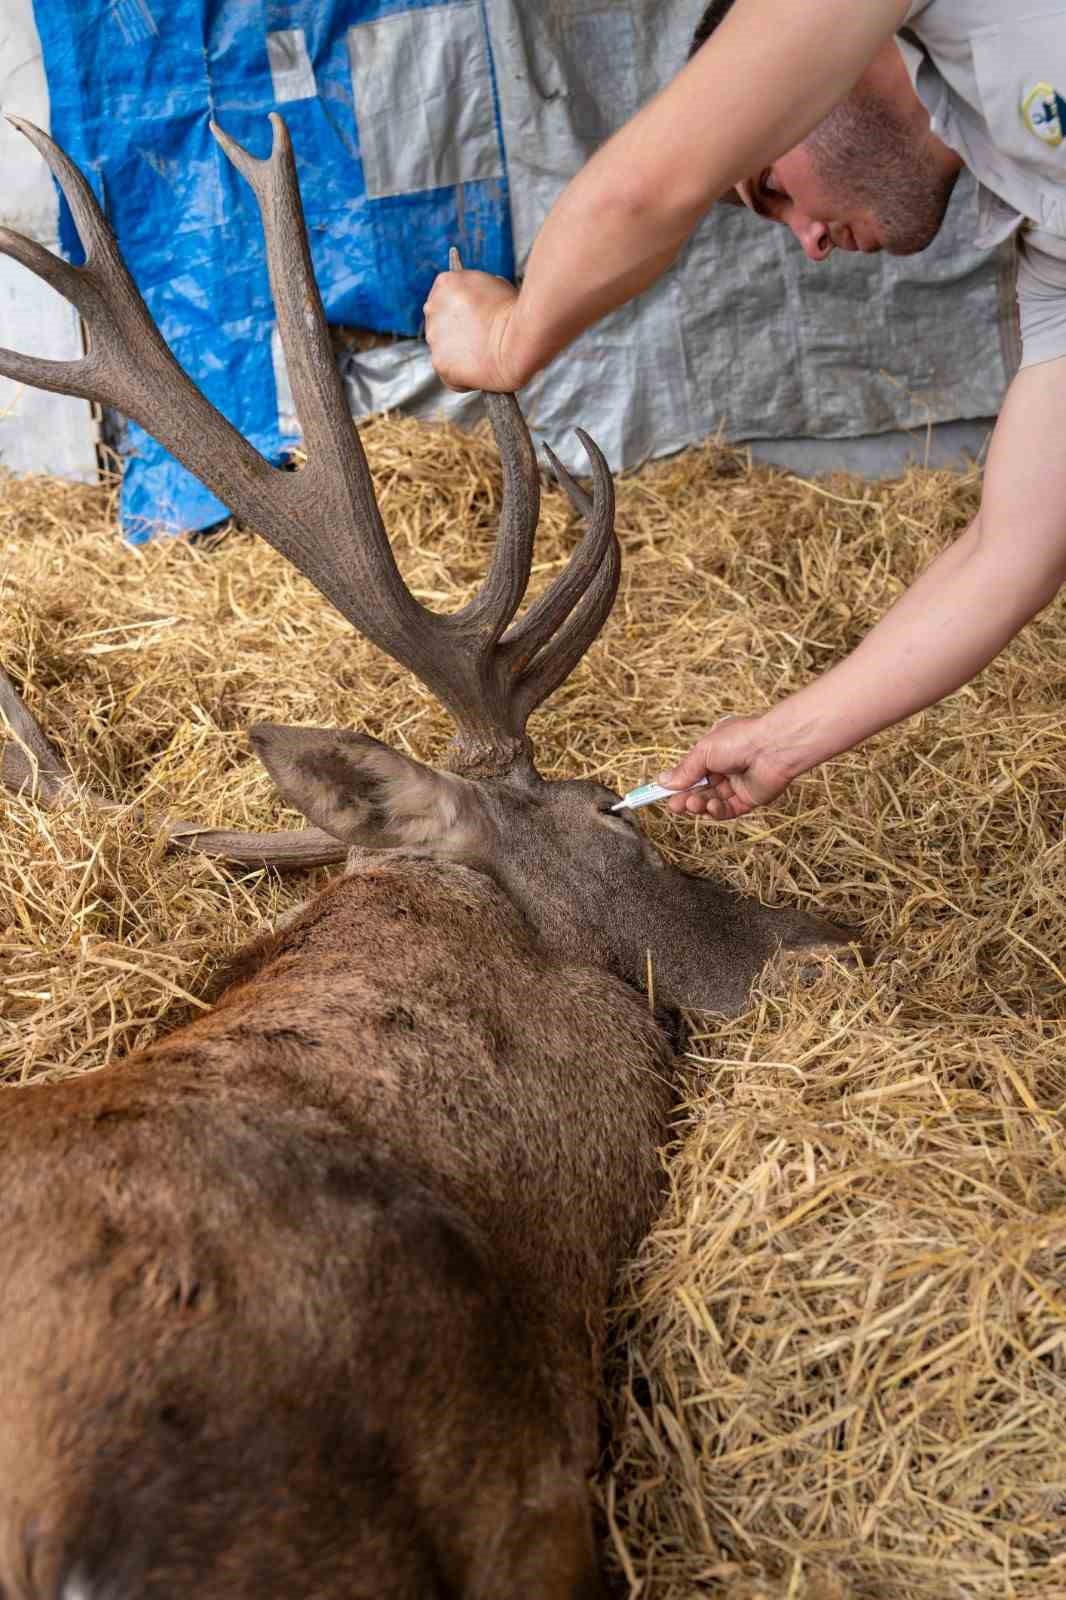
(996,93)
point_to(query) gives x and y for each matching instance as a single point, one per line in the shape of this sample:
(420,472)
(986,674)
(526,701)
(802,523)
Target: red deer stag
(308,1298)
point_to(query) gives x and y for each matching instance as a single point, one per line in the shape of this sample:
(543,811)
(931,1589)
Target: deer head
(586,879)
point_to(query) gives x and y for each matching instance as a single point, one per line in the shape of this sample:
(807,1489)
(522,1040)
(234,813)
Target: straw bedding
(840,1368)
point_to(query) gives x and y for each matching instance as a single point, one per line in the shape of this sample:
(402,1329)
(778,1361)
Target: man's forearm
(544,321)
(950,624)
(621,222)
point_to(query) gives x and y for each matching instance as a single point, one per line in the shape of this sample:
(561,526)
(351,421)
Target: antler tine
(521,670)
(582,594)
(369,589)
(546,616)
(29,760)
(501,594)
(492,608)
(104,293)
(288,850)
(93,231)
(65,377)
(324,417)
(582,502)
(536,654)
(557,660)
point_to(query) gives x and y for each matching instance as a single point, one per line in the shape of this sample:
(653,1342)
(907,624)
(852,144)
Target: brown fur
(309,1297)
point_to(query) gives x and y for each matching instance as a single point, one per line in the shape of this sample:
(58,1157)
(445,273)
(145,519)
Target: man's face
(791,192)
(863,180)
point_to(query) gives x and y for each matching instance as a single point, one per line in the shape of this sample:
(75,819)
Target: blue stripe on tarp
(132,85)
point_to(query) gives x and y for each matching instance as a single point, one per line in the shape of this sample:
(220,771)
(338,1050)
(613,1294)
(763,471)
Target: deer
(309,1297)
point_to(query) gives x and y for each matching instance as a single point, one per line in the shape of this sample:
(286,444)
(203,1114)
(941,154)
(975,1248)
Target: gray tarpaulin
(743,335)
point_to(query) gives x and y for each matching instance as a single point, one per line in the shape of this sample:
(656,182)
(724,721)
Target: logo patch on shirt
(1043,111)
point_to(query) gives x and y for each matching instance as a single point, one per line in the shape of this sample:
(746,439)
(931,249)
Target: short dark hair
(708,22)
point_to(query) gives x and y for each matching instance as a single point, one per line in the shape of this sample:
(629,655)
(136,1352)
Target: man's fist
(467,315)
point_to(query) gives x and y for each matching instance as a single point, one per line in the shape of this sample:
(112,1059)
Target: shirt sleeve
(1041,296)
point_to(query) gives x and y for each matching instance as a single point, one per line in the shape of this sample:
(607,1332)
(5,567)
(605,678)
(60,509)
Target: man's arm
(950,624)
(765,78)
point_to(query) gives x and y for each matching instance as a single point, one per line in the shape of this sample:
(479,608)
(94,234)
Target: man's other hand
(741,772)
(467,314)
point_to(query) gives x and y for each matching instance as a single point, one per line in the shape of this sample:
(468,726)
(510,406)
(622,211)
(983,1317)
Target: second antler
(489,671)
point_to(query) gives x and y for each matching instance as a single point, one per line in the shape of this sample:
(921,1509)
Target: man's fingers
(724,804)
(698,763)
(703,804)
(686,773)
(678,804)
(694,800)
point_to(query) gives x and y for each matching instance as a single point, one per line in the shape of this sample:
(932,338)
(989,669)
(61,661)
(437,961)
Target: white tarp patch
(288,421)
(39,431)
(290,66)
(423,100)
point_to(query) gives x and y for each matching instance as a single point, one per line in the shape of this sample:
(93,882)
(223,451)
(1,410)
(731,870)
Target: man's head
(708,22)
(871,176)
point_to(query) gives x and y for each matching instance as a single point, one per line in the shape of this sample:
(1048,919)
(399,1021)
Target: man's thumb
(687,772)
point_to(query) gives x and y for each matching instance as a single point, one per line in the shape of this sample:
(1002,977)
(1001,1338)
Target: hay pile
(841,1366)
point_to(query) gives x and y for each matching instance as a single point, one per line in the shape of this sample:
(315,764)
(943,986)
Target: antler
(29,762)
(28,759)
(324,519)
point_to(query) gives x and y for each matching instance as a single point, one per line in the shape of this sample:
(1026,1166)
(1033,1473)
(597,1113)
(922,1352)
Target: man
(824,116)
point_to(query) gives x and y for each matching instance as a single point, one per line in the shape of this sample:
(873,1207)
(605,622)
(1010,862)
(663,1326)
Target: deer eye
(626,818)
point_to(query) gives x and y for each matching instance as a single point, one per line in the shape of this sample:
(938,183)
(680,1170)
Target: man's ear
(364,793)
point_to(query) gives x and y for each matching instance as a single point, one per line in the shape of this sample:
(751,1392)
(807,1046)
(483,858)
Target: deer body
(328,1269)
(308,1299)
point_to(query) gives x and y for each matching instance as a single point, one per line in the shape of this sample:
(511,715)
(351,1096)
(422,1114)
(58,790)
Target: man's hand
(467,315)
(742,773)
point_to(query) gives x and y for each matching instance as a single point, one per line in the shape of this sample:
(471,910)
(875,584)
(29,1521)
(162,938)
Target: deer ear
(364,793)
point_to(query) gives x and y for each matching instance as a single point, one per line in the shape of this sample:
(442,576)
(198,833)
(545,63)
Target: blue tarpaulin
(392,110)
